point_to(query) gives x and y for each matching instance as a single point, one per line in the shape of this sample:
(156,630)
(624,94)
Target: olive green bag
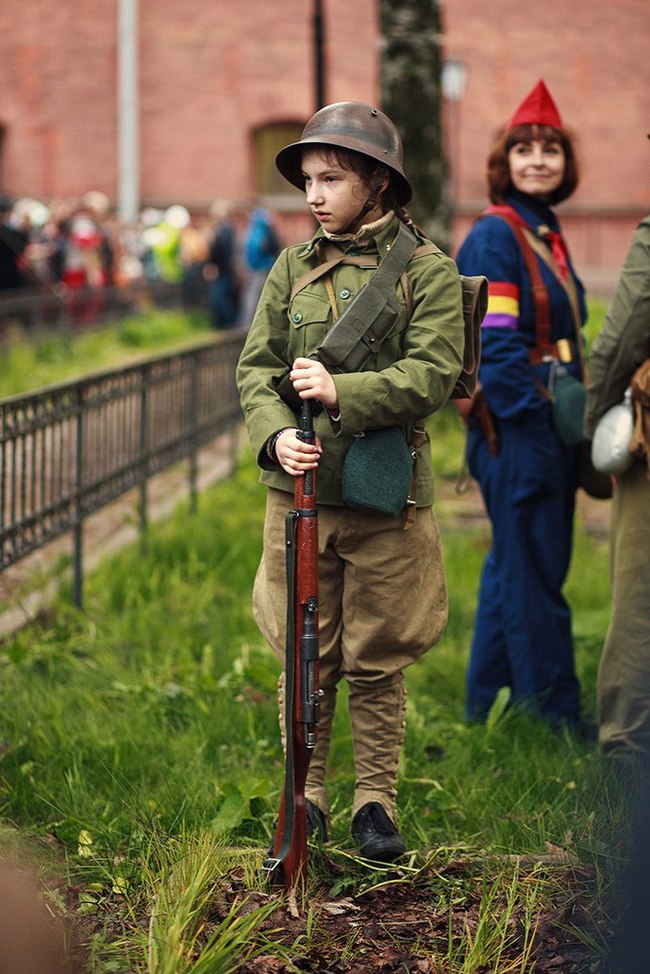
(377,471)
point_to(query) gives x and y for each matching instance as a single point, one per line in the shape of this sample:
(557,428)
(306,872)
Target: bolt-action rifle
(287,862)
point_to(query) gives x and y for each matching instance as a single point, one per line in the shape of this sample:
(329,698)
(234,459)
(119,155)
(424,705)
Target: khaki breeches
(624,672)
(382,604)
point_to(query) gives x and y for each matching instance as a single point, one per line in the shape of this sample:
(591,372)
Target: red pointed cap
(537,108)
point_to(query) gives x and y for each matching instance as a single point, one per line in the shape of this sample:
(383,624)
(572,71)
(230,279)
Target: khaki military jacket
(623,343)
(411,377)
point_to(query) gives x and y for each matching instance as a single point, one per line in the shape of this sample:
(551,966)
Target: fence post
(193,460)
(144,447)
(77,558)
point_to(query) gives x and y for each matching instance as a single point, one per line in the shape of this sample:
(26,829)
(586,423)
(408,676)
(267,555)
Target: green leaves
(240,802)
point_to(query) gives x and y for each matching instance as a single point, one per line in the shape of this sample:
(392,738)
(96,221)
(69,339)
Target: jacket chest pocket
(310,318)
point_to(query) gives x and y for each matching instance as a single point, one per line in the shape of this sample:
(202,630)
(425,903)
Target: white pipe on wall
(128,163)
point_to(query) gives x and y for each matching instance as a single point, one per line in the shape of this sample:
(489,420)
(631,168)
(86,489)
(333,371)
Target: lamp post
(453,82)
(319,54)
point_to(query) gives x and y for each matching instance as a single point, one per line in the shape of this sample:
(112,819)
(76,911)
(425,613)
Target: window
(267,142)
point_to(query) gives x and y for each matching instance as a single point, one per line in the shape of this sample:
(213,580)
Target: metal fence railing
(56,309)
(68,450)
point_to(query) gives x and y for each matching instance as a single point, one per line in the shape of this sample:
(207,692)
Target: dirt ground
(402,927)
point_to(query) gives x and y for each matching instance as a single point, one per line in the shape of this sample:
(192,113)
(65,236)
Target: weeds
(140,748)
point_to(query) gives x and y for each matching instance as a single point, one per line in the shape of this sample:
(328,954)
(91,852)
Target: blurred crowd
(218,258)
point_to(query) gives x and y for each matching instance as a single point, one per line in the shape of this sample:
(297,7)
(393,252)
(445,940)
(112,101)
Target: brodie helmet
(350,125)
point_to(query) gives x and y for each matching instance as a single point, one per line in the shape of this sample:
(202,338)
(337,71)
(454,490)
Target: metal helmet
(350,125)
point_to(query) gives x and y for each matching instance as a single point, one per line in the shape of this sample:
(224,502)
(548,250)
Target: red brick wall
(57,69)
(593,55)
(210,72)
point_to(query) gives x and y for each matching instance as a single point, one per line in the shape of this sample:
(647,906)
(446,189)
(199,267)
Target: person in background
(527,475)
(383,599)
(193,257)
(165,242)
(13,244)
(223,268)
(261,247)
(624,673)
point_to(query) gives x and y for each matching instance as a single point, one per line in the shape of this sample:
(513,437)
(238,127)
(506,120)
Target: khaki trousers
(624,672)
(382,604)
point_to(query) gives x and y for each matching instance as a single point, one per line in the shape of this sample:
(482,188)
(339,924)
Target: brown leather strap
(315,273)
(333,257)
(542,251)
(539,289)
(329,287)
(532,247)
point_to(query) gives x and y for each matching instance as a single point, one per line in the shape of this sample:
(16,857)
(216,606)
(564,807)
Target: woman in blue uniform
(527,474)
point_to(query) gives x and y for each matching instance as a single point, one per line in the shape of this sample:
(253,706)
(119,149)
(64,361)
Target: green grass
(140,762)
(148,723)
(30,364)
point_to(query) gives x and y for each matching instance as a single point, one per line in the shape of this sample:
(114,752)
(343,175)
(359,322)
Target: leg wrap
(378,719)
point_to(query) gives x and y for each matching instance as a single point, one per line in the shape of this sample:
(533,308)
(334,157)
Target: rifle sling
(274,862)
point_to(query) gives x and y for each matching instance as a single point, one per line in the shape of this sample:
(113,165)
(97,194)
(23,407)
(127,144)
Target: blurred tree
(411,65)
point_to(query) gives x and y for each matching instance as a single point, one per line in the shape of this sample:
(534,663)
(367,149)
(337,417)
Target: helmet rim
(381,143)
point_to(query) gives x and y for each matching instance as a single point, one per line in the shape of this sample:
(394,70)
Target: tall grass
(139,753)
(153,714)
(27,364)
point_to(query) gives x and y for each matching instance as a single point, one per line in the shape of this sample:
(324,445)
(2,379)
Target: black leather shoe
(375,834)
(316,822)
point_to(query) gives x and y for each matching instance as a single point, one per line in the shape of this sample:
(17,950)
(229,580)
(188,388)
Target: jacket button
(345,293)
(297,317)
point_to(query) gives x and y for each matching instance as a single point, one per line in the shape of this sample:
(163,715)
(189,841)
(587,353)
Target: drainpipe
(128,162)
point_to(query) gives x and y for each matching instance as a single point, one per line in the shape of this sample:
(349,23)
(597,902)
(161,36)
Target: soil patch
(425,927)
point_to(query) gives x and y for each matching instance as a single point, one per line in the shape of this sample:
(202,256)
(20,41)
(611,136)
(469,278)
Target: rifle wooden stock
(288,861)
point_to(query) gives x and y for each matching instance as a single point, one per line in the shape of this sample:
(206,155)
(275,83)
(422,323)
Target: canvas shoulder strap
(389,268)
(532,248)
(393,265)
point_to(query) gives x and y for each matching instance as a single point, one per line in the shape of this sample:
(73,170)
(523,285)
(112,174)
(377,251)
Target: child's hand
(311,380)
(295,456)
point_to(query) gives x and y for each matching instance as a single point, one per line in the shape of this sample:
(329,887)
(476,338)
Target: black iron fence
(56,309)
(68,450)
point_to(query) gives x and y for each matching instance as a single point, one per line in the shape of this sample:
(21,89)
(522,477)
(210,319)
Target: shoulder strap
(567,282)
(388,270)
(539,289)
(530,246)
(315,273)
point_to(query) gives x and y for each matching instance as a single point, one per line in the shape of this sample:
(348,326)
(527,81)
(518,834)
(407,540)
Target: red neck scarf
(551,237)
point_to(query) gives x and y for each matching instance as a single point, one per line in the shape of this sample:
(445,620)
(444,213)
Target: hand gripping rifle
(288,860)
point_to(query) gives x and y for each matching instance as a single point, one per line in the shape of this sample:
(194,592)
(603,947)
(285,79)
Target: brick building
(218,86)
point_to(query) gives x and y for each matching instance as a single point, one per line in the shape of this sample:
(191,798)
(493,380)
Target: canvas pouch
(377,472)
(568,401)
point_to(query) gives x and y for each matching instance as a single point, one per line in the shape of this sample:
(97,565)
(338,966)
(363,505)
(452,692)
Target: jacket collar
(375,237)
(535,213)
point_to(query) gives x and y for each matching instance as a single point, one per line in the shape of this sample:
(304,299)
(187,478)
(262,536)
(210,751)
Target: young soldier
(383,600)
